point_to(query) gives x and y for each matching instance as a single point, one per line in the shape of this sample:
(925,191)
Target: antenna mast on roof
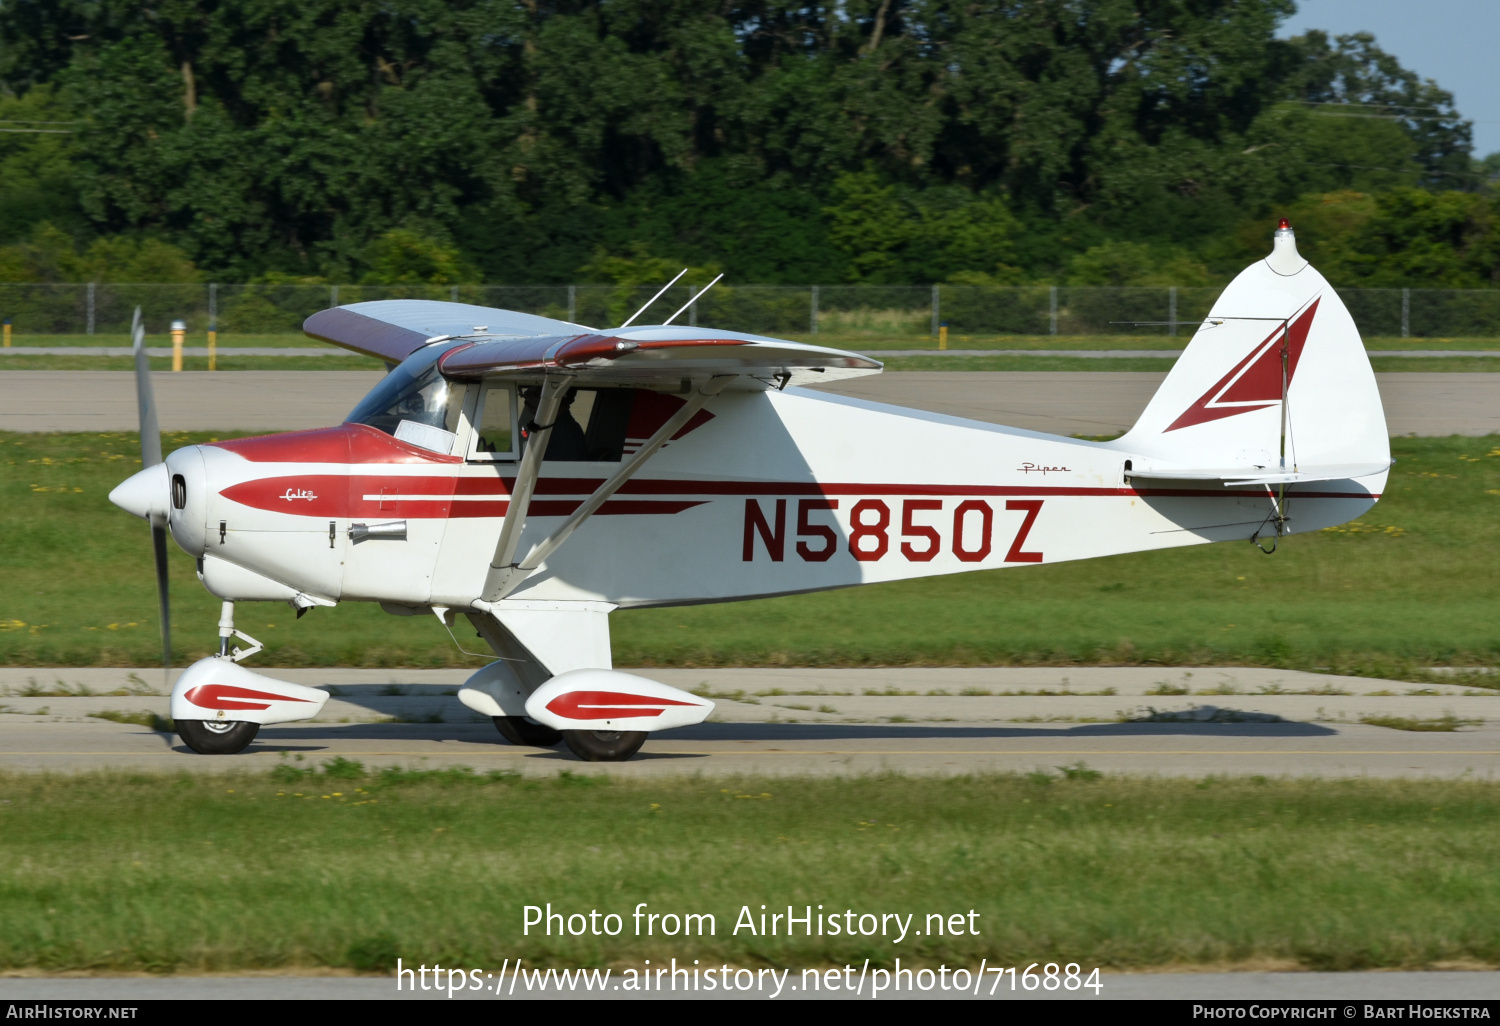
(695,299)
(654,298)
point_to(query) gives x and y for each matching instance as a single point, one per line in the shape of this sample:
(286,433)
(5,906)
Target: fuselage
(764,493)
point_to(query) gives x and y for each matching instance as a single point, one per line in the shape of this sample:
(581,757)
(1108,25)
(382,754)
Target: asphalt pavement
(1063,402)
(837,722)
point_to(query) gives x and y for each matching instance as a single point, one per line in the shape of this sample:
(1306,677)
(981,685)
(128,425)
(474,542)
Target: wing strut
(503,565)
(504,579)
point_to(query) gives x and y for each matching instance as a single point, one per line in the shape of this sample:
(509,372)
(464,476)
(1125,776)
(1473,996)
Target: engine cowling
(611,700)
(217,689)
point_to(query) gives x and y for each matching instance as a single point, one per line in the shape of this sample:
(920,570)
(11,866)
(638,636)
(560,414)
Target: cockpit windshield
(415,403)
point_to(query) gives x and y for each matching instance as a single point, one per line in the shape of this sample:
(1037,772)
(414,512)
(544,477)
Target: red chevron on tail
(1255,382)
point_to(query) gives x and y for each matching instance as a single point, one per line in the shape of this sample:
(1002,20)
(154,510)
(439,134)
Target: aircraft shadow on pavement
(471,732)
(297,738)
(259,749)
(859,731)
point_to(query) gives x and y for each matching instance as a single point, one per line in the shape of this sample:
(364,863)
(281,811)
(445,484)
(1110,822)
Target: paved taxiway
(824,722)
(1083,403)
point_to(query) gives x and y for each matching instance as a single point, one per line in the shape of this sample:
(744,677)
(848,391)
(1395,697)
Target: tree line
(884,141)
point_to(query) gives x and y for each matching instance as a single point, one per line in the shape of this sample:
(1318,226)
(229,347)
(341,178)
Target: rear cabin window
(590,426)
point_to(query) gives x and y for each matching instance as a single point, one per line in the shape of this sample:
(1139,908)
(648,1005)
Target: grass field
(878,338)
(332,362)
(1160,365)
(1415,584)
(872,339)
(318,869)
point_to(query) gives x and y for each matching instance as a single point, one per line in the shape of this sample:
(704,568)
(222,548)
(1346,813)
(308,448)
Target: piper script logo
(292,494)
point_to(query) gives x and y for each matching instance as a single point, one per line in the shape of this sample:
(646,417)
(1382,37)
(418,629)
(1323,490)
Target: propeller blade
(145,398)
(150,457)
(159,543)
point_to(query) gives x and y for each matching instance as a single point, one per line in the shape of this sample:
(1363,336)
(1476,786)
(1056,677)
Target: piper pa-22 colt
(533,475)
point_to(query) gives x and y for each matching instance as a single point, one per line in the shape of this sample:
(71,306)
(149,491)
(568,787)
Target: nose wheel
(217,737)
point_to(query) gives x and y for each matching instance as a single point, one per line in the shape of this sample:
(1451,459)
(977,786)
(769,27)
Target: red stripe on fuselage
(434,496)
(426,497)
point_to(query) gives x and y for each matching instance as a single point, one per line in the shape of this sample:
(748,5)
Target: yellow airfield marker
(179,329)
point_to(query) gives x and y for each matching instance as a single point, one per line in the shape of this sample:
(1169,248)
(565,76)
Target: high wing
(696,362)
(393,329)
(525,347)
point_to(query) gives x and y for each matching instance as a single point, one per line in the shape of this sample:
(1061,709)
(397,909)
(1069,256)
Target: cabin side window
(416,404)
(494,437)
(590,426)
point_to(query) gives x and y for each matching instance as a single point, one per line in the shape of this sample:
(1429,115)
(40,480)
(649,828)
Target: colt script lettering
(971,527)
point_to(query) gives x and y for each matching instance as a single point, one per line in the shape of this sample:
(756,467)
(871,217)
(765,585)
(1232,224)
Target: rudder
(1279,329)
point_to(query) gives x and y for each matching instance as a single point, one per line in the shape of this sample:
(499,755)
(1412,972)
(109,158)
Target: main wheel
(519,730)
(604,745)
(217,737)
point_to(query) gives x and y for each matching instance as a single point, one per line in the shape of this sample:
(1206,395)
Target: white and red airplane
(532,475)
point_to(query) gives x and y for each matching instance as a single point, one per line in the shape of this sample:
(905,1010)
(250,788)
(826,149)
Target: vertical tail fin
(1274,386)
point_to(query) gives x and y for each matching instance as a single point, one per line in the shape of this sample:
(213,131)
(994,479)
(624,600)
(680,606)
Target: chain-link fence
(896,310)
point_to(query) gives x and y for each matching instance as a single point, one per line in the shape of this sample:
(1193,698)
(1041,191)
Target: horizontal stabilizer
(1235,476)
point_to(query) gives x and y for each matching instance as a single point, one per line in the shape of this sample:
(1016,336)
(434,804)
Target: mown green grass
(226,340)
(874,341)
(1415,584)
(1160,365)
(865,340)
(113,872)
(870,342)
(226,362)
(935,362)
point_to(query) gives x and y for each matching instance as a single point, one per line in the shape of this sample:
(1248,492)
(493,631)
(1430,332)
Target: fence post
(812,323)
(935,310)
(1172,310)
(1052,308)
(454,294)
(572,302)
(1405,312)
(333,296)
(213,326)
(91,309)
(692,307)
